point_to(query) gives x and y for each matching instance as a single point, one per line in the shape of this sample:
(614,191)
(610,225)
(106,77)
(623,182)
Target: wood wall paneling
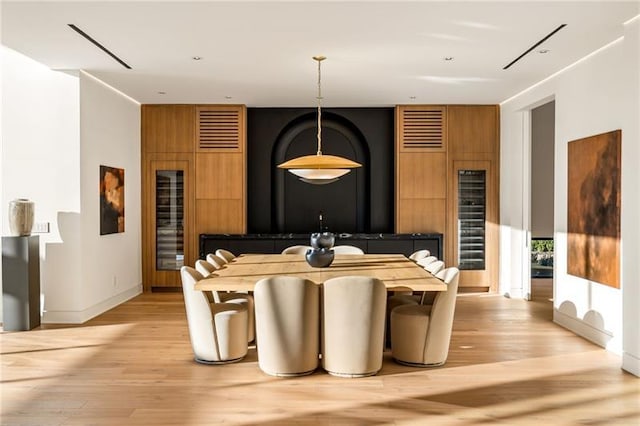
(220,175)
(219,216)
(472,129)
(422,175)
(168,128)
(422,215)
(421,168)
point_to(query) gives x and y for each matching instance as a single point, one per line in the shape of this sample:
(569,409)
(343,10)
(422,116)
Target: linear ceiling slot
(107,51)
(536,45)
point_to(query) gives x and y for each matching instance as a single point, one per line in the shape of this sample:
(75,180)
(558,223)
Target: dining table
(396,271)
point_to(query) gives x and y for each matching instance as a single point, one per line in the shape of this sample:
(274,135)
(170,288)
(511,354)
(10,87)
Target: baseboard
(79,317)
(581,328)
(631,364)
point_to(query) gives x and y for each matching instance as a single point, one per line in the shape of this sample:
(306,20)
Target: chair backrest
(199,317)
(296,250)
(204,268)
(226,255)
(426,261)
(347,250)
(287,325)
(216,261)
(441,318)
(353,325)
(420,254)
(435,267)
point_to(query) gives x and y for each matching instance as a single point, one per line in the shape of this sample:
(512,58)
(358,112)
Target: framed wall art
(593,211)
(111,200)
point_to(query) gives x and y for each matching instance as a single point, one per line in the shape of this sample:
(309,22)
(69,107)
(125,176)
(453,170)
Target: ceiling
(260,53)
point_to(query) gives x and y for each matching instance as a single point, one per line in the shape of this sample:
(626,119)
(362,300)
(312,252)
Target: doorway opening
(541,212)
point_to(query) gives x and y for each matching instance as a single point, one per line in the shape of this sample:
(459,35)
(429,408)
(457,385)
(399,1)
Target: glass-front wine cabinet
(472,193)
(170,215)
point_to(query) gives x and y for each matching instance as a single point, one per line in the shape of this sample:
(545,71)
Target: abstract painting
(111,200)
(593,211)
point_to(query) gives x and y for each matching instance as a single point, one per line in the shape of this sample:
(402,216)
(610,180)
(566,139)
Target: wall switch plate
(40,228)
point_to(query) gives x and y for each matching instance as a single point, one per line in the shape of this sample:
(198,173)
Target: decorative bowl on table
(319,257)
(322,240)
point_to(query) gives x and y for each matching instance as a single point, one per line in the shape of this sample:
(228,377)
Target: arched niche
(345,204)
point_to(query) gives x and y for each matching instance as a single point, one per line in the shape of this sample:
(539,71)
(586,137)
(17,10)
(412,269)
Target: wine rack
(169,219)
(472,189)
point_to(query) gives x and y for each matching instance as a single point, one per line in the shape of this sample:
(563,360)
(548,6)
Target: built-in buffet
(429,180)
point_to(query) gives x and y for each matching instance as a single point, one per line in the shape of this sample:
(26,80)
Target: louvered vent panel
(423,129)
(218,130)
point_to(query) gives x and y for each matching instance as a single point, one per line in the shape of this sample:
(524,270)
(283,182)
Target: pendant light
(319,169)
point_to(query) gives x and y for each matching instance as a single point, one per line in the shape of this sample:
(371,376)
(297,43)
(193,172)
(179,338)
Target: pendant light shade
(319,169)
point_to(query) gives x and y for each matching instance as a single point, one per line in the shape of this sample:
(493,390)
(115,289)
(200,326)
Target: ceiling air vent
(423,129)
(218,129)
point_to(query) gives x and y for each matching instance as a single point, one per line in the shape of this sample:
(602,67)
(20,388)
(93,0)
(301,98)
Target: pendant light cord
(319,109)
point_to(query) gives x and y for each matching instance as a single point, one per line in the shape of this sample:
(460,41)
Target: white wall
(110,136)
(57,129)
(631,207)
(41,161)
(591,97)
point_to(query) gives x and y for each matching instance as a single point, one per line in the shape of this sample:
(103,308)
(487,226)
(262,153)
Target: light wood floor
(508,364)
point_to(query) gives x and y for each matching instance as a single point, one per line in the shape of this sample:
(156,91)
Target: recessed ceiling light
(543,51)
(162,93)
(197,58)
(448,58)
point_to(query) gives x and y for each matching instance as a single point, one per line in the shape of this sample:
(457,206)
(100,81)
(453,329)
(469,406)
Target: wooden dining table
(395,270)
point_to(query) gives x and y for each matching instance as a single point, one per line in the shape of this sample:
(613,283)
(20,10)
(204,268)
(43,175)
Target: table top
(395,270)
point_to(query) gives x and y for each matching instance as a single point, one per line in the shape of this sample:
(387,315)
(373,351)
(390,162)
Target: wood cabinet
(421,168)
(168,128)
(168,241)
(473,156)
(194,179)
(435,145)
(221,169)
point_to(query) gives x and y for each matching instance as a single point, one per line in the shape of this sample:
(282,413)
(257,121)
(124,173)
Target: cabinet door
(168,128)
(168,234)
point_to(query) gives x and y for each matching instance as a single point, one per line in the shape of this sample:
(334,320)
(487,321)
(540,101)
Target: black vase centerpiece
(321,254)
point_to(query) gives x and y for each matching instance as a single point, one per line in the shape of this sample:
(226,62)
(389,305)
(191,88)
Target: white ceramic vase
(21,213)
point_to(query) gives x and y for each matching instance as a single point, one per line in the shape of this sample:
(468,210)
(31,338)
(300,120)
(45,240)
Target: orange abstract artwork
(593,221)
(111,200)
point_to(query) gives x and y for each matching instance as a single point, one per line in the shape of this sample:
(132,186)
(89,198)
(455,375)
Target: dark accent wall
(361,201)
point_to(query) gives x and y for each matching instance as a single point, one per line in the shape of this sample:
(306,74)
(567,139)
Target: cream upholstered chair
(435,267)
(218,331)
(420,334)
(226,255)
(347,250)
(426,261)
(216,261)
(353,326)
(287,325)
(205,269)
(419,254)
(296,250)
